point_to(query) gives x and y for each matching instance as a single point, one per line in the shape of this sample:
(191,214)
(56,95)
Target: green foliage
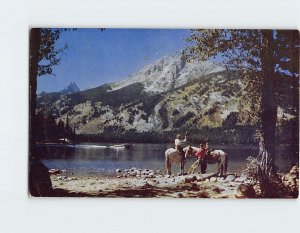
(181,121)
(164,116)
(238,48)
(48,98)
(43,51)
(230,121)
(242,51)
(49,55)
(47,130)
(237,134)
(175,112)
(149,102)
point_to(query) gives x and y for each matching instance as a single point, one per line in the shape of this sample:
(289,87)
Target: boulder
(190,179)
(203,194)
(133,173)
(118,171)
(151,175)
(179,179)
(213,179)
(294,170)
(230,178)
(39,179)
(195,187)
(180,195)
(145,172)
(147,185)
(241,179)
(216,189)
(54,171)
(245,191)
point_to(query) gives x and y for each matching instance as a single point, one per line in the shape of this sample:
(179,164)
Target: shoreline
(145,183)
(153,185)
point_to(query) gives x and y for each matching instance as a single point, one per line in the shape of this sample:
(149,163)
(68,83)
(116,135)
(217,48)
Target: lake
(98,159)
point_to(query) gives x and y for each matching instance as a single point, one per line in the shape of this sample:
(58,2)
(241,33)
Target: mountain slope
(168,73)
(206,101)
(157,99)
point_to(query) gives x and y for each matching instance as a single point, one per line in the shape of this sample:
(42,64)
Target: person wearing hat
(180,143)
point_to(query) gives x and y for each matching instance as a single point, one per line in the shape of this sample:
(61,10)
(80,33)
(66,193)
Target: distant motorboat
(64,140)
(124,146)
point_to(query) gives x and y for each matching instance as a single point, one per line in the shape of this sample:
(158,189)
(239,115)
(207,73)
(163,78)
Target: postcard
(164,113)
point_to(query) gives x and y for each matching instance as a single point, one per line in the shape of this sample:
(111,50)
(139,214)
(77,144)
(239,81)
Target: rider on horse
(179,144)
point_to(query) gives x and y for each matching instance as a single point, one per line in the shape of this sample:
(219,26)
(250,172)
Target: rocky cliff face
(71,88)
(168,73)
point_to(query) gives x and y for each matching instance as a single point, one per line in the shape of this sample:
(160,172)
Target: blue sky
(95,57)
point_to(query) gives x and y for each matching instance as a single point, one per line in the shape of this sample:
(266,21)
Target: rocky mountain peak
(168,73)
(71,88)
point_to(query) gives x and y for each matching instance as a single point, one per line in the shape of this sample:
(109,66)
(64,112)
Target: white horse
(172,155)
(212,157)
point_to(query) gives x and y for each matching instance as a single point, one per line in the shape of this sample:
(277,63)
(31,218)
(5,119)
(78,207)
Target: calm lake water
(98,159)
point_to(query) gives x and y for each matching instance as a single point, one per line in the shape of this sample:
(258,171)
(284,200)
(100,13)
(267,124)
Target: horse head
(188,151)
(209,152)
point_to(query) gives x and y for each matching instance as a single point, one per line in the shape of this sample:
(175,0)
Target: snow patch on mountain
(168,73)
(229,109)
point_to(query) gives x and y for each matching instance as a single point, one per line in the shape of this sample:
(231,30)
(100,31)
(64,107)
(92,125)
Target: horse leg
(181,167)
(226,164)
(222,168)
(219,168)
(168,166)
(223,165)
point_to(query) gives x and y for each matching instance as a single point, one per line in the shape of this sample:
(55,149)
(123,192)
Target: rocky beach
(149,183)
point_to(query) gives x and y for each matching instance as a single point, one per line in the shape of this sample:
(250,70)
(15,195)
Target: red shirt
(201,152)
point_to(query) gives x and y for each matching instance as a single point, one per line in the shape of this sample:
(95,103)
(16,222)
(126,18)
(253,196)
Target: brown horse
(212,157)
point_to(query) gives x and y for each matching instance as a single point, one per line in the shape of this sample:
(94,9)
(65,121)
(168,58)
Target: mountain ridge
(168,73)
(213,98)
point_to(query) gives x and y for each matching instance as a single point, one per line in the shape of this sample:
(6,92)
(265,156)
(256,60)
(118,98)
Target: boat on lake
(124,146)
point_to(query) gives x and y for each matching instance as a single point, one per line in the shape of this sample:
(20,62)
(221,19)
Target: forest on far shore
(48,130)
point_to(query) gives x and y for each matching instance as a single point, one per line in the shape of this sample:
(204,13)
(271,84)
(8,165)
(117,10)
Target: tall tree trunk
(39,179)
(35,43)
(268,114)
